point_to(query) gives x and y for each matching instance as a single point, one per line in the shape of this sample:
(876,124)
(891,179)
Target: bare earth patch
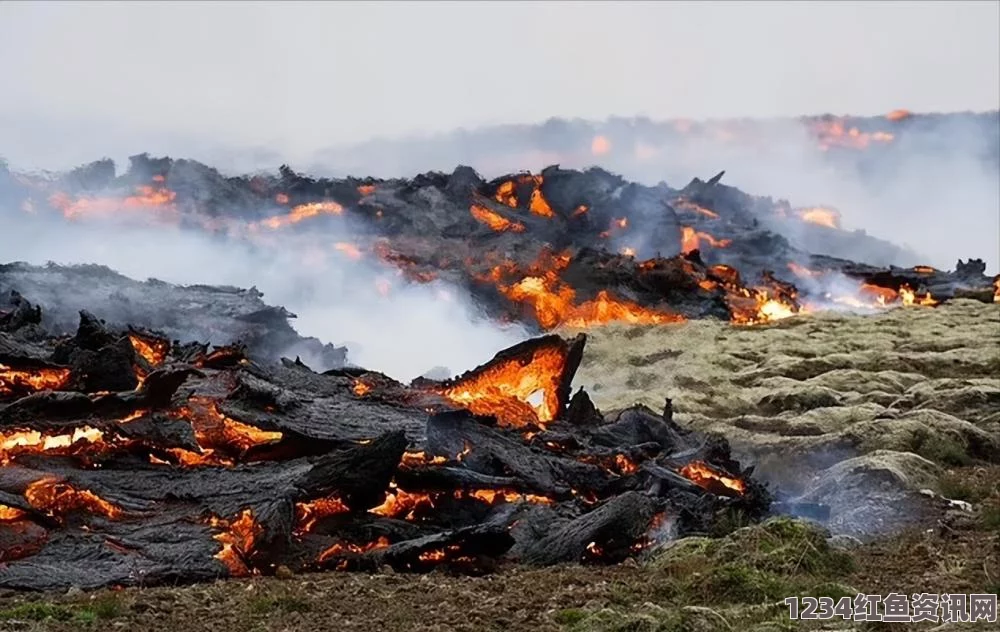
(883,418)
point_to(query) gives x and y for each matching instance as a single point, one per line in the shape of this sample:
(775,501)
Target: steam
(404,332)
(935,190)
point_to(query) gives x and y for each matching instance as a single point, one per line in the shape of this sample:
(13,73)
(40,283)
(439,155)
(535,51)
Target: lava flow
(237,537)
(56,499)
(519,391)
(39,379)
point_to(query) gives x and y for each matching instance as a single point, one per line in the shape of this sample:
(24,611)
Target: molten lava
(361,388)
(401,504)
(153,350)
(821,216)
(708,478)
(34,442)
(145,197)
(56,499)
(553,302)
(237,538)
(687,206)
(302,212)
(307,514)
(217,432)
(494,221)
(32,379)
(343,548)
(691,240)
(518,392)
(412,459)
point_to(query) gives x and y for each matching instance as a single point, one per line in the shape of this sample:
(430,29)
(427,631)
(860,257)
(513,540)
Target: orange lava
(691,240)
(145,197)
(898,115)
(237,538)
(402,504)
(911,297)
(366,189)
(519,392)
(834,133)
(213,430)
(494,221)
(685,205)
(495,496)
(56,498)
(539,205)
(34,442)
(361,388)
(802,271)
(420,458)
(10,514)
(349,250)
(303,212)
(32,379)
(308,513)
(820,216)
(553,302)
(343,548)
(153,350)
(704,476)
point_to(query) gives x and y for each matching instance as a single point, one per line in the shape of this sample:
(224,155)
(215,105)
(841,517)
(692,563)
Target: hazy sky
(298,76)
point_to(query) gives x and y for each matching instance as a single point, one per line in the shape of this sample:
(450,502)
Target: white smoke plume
(402,330)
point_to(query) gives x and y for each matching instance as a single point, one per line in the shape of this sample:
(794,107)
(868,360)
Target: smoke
(934,190)
(389,326)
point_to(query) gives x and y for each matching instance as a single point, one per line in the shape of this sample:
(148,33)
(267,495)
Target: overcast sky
(298,76)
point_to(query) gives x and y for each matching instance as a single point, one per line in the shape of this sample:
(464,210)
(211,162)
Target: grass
(266,605)
(102,608)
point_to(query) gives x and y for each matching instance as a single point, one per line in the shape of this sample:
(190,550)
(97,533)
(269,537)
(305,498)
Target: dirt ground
(912,381)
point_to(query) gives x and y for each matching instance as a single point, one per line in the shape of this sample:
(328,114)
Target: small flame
(402,504)
(365,190)
(706,477)
(345,548)
(361,388)
(350,250)
(237,540)
(820,216)
(898,115)
(32,379)
(303,212)
(691,240)
(307,514)
(494,221)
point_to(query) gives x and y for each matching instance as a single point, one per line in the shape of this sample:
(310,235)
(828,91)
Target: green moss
(264,605)
(939,449)
(37,611)
(569,616)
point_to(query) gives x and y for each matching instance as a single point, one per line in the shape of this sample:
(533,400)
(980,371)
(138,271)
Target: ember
(12,380)
(710,479)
